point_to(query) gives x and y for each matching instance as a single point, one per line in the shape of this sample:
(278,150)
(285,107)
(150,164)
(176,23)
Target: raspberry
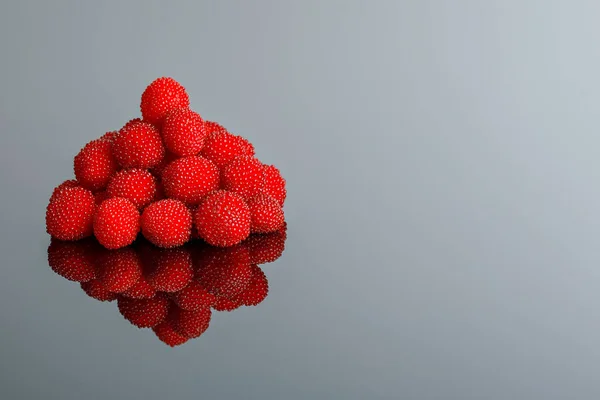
(211,127)
(224,304)
(225,272)
(95,164)
(109,136)
(164,331)
(100,196)
(274,184)
(144,313)
(71,183)
(183,132)
(135,185)
(167,223)
(244,175)
(74,261)
(266,214)
(70,214)
(160,97)
(223,219)
(189,179)
(138,146)
(117,223)
(119,270)
(221,147)
(193,297)
(189,324)
(130,123)
(172,270)
(96,290)
(140,290)
(257,290)
(265,248)
(158,169)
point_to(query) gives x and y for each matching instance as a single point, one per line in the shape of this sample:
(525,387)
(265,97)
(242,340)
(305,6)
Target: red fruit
(141,290)
(221,147)
(74,261)
(265,248)
(167,223)
(144,313)
(109,136)
(100,196)
(165,332)
(95,164)
(117,223)
(172,270)
(225,272)
(158,169)
(189,324)
(244,175)
(223,219)
(130,123)
(135,185)
(257,290)
(160,97)
(274,184)
(71,183)
(266,214)
(224,304)
(119,270)
(138,146)
(212,127)
(70,214)
(160,192)
(96,290)
(183,132)
(193,297)
(190,179)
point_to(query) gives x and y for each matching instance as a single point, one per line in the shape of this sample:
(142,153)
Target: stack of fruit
(170,175)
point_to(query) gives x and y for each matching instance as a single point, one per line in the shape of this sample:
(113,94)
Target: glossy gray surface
(443,195)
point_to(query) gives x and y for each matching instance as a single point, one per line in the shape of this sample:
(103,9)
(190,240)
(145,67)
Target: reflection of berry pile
(173,290)
(172,176)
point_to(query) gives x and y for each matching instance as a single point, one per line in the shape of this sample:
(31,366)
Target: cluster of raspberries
(173,291)
(170,175)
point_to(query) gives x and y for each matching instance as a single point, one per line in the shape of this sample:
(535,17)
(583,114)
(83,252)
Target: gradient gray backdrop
(443,172)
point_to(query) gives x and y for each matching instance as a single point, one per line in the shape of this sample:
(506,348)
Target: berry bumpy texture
(221,147)
(167,223)
(138,145)
(244,175)
(274,184)
(117,223)
(183,132)
(135,185)
(265,213)
(160,97)
(223,219)
(70,213)
(190,179)
(95,164)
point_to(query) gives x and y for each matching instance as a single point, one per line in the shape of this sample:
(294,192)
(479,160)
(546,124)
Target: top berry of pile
(170,176)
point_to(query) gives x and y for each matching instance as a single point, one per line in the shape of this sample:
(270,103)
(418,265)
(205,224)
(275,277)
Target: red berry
(190,324)
(257,290)
(193,297)
(165,332)
(100,196)
(138,146)
(172,270)
(225,272)
(223,219)
(109,136)
(130,122)
(221,147)
(190,179)
(167,223)
(274,184)
(224,304)
(266,214)
(96,290)
(144,313)
(135,185)
(95,164)
(158,169)
(74,261)
(119,270)
(212,127)
(160,97)
(265,248)
(244,175)
(71,183)
(117,223)
(183,132)
(70,214)
(140,290)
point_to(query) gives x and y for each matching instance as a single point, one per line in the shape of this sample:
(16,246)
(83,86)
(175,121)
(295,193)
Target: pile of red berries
(171,176)
(173,291)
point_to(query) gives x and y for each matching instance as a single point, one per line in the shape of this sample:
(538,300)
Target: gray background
(443,181)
